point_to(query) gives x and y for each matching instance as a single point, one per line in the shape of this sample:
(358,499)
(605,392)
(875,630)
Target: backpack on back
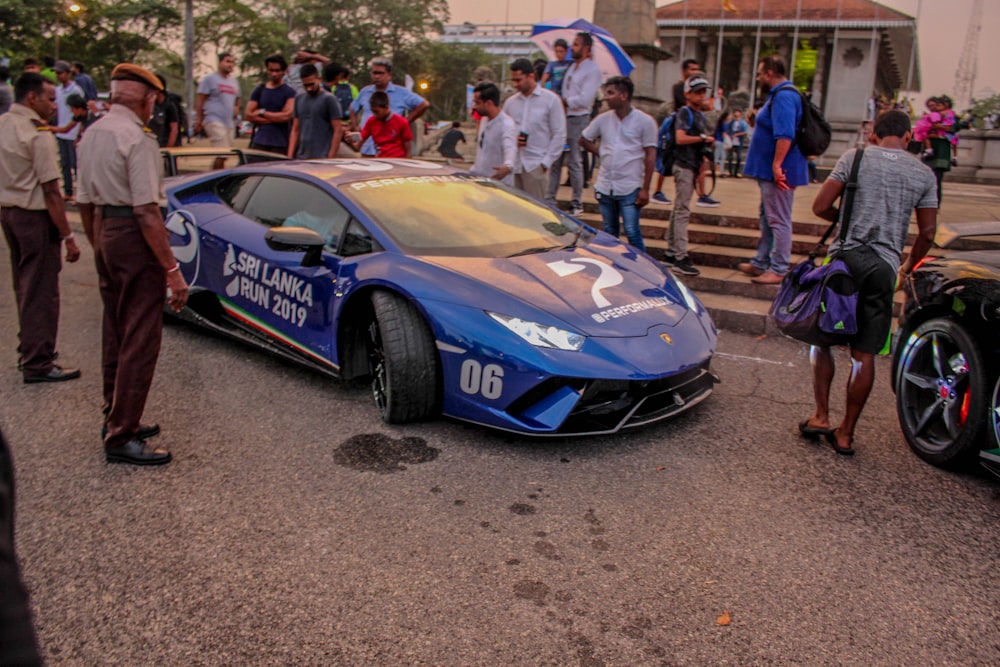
(813,134)
(342,91)
(667,144)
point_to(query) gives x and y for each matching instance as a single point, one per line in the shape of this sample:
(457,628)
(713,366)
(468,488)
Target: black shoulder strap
(848,197)
(847,201)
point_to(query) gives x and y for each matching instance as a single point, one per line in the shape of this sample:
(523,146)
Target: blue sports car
(456,295)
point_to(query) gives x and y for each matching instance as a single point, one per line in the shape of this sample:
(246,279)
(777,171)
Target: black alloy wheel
(941,393)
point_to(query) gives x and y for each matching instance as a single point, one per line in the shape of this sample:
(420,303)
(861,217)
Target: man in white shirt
(628,158)
(580,84)
(497,137)
(541,124)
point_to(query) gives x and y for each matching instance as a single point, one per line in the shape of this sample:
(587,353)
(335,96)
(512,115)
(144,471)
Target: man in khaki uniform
(120,190)
(34,223)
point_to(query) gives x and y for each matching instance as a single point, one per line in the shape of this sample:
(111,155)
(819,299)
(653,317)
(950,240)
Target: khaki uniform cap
(130,72)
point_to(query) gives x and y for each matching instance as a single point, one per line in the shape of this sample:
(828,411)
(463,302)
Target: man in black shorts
(892,183)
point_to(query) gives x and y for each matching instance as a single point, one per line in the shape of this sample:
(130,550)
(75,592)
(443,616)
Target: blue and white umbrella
(607,52)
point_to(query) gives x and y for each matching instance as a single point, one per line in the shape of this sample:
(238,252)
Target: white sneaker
(577,211)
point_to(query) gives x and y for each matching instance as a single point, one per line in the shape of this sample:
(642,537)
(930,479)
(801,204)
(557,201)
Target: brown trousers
(35,262)
(133,288)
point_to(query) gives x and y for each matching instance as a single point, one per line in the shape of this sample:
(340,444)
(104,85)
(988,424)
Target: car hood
(597,290)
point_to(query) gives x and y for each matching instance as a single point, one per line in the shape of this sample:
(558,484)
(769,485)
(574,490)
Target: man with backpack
(775,160)
(690,147)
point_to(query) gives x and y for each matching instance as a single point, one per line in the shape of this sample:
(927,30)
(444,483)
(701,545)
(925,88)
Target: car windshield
(461,216)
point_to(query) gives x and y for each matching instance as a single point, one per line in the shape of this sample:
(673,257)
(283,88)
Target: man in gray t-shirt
(891,185)
(316,125)
(217,105)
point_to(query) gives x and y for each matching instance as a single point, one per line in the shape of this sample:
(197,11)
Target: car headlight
(689,299)
(539,334)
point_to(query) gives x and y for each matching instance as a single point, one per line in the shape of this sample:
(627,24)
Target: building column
(748,68)
(785,51)
(709,65)
(819,76)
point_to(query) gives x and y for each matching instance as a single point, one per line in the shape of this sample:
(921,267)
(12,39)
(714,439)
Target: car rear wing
(973,235)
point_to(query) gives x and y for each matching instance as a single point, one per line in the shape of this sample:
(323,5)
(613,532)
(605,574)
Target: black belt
(117,211)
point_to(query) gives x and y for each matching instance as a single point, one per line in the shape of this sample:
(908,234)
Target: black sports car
(946,359)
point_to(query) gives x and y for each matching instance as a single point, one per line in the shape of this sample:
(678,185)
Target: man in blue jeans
(779,167)
(628,158)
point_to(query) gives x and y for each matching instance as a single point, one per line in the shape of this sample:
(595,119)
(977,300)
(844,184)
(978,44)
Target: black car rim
(377,366)
(934,391)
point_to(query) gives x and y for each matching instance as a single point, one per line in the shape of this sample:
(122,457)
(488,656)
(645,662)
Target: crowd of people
(309,109)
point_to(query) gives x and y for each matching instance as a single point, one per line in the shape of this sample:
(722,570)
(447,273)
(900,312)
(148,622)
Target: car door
(269,289)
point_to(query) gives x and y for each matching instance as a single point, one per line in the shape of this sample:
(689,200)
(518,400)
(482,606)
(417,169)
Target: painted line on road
(757,359)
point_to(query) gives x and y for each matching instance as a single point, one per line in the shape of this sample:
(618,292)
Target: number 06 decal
(476,379)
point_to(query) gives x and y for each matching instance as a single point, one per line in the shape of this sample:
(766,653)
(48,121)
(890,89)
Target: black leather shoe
(57,374)
(137,452)
(145,432)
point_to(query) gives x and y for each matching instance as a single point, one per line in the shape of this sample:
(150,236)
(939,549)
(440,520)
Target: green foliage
(151,32)
(981,109)
(446,68)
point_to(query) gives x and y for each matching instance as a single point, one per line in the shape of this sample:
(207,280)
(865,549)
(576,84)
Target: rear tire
(402,360)
(941,394)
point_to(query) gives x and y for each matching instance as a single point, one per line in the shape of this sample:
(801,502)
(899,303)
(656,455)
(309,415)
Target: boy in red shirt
(390,131)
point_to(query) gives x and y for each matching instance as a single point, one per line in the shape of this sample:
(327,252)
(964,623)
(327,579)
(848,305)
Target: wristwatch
(261,112)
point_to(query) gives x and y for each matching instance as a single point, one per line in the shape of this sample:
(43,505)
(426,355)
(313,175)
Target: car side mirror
(297,239)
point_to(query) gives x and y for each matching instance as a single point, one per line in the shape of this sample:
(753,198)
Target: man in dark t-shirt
(270,108)
(316,125)
(449,142)
(166,118)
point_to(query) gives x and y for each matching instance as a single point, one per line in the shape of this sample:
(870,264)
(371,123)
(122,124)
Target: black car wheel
(402,360)
(941,393)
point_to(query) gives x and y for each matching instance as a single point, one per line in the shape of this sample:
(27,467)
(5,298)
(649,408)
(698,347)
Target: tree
(447,68)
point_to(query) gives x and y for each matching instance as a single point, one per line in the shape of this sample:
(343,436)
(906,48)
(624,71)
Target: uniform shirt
(388,134)
(221,101)
(29,158)
(891,183)
(401,101)
(497,141)
(119,162)
(580,84)
(623,150)
(777,119)
(539,115)
(64,115)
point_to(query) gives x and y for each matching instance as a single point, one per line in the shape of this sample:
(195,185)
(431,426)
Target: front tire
(402,360)
(941,393)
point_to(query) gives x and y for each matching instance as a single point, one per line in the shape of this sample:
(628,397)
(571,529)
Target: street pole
(189,57)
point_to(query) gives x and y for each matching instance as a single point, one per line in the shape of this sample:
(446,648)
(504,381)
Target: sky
(942,27)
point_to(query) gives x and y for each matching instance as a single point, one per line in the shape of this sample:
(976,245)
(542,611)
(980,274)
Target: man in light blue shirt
(402,101)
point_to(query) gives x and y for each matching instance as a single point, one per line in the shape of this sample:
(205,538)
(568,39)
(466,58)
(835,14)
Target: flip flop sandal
(813,432)
(832,439)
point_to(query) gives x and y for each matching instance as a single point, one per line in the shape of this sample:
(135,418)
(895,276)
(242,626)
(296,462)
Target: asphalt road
(294,528)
